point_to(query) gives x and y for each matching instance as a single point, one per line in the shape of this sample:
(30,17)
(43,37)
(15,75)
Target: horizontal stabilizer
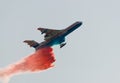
(32,43)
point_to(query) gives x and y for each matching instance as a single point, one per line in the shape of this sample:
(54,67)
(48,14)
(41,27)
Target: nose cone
(79,23)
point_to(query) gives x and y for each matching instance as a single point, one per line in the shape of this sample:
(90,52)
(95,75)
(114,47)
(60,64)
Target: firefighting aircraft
(53,37)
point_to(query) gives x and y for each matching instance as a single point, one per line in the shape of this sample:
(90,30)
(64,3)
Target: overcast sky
(92,53)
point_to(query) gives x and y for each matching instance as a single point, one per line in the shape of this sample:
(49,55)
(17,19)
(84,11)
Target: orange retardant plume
(42,59)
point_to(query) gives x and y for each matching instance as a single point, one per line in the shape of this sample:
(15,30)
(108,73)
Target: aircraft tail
(32,43)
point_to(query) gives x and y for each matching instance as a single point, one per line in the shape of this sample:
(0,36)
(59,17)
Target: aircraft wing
(48,32)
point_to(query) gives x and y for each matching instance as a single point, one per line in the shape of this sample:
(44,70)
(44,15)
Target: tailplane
(32,43)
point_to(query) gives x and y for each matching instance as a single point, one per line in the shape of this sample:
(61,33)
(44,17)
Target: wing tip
(39,28)
(25,41)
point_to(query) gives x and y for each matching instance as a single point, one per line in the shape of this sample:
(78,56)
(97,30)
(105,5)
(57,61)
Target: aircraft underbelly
(58,41)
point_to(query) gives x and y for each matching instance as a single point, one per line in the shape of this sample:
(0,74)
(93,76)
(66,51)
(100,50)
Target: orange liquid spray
(42,59)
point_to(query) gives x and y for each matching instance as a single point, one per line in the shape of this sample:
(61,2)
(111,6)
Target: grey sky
(92,52)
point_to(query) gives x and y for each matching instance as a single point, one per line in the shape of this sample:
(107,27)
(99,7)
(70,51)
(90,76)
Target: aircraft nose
(80,22)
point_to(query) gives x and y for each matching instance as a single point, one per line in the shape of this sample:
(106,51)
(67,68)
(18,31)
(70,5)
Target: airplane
(53,37)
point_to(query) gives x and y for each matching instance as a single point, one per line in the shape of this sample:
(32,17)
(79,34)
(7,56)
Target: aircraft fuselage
(60,37)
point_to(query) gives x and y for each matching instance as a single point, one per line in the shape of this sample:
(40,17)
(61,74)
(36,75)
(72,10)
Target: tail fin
(32,43)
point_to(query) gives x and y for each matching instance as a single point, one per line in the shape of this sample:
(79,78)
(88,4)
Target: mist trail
(42,59)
